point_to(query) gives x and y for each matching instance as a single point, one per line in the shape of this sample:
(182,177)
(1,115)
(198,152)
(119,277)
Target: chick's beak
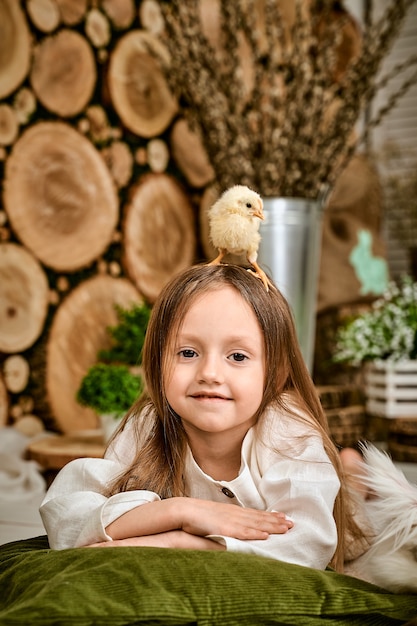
(258,212)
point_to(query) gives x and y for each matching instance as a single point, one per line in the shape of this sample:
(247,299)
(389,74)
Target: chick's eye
(249,205)
(187,353)
(238,357)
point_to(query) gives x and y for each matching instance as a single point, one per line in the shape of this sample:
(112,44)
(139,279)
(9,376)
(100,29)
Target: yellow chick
(234,221)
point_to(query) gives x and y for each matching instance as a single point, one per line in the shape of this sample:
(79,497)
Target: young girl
(229,449)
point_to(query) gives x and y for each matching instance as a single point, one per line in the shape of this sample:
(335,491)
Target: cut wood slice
(9,126)
(54,451)
(78,332)
(24,105)
(29,425)
(97,28)
(190,155)
(72,11)
(98,127)
(159,233)
(14,47)
(16,373)
(151,17)
(158,155)
(24,292)
(120,12)
(119,160)
(44,14)
(4,403)
(59,196)
(64,73)
(137,84)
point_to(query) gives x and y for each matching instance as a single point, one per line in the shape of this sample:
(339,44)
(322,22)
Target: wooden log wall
(99,197)
(104,191)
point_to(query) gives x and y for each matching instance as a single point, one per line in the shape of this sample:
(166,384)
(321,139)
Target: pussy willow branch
(397,69)
(292,132)
(392,101)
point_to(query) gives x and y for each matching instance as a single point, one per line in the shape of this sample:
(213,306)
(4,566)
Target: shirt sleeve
(75,511)
(304,486)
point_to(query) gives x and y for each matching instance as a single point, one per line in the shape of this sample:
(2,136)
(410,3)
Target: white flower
(388,331)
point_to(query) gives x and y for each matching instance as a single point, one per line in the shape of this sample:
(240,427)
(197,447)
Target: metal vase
(290,252)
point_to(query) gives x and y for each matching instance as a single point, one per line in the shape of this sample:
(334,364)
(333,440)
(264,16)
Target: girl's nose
(210,369)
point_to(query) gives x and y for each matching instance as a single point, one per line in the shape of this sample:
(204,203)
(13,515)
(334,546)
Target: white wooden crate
(391,388)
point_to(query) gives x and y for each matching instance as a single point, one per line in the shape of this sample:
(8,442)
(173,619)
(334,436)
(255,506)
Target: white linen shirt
(283,468)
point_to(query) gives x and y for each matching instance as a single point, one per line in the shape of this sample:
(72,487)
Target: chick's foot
(259,273)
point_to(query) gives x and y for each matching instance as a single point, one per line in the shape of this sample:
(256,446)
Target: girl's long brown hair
(160,438)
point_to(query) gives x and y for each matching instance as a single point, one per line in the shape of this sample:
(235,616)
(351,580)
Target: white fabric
(20,480)
(283,468)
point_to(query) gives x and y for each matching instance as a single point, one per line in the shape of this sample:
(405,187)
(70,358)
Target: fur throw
(391,560)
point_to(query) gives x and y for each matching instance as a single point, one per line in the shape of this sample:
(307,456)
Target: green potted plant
(110,390)
(384,340)
(127,336)
(112,385)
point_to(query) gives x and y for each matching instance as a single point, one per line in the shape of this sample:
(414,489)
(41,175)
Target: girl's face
(216,375)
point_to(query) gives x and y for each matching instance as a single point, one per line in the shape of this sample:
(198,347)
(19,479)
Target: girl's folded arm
(76,509)
(197,517)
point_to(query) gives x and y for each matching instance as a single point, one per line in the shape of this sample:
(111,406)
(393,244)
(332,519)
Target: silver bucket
(290,252)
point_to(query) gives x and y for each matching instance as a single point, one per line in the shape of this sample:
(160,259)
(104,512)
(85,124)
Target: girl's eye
(238,357)
(187,353)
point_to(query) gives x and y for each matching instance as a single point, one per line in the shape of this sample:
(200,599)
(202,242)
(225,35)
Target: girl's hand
(204,517)
(197,517)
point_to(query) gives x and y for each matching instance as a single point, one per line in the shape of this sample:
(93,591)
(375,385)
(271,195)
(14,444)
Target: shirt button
(228,493)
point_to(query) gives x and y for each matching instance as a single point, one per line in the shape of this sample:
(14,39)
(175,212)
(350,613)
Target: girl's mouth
(209,396)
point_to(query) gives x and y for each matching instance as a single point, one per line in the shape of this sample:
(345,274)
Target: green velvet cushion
(123,586)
